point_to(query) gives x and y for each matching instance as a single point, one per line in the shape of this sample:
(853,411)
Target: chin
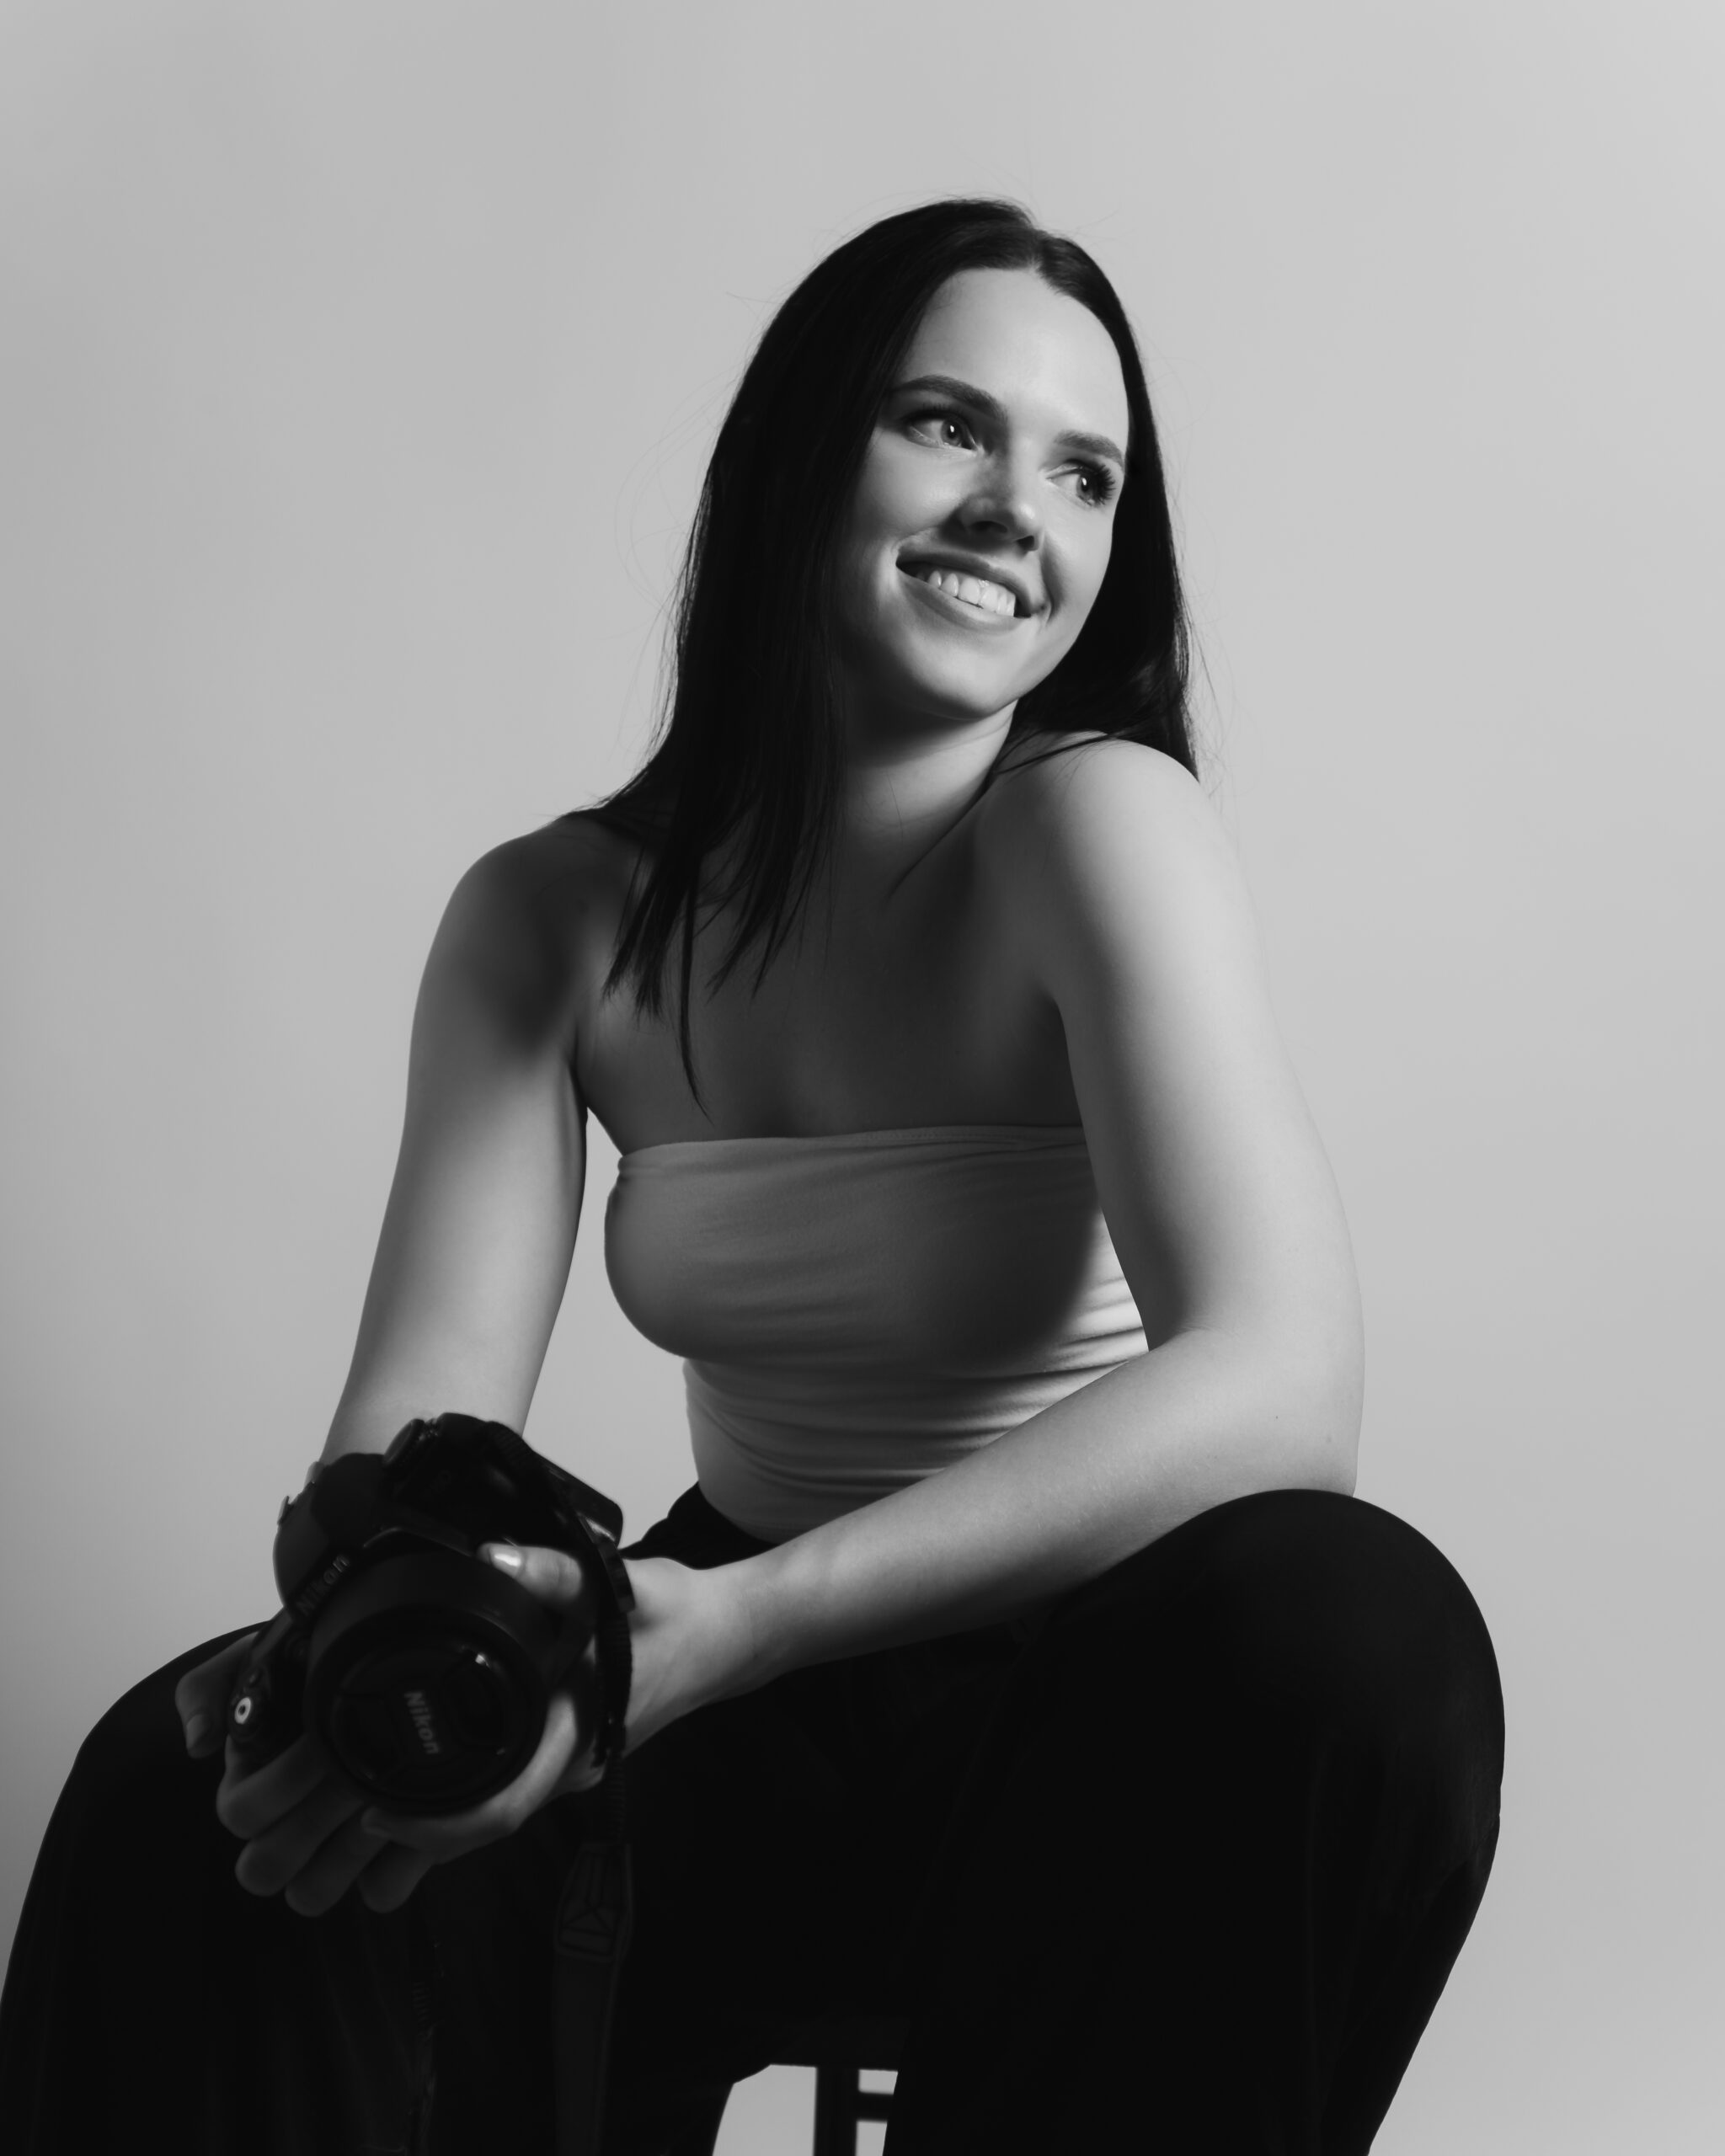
(957,702)
(954,685)
(902,665)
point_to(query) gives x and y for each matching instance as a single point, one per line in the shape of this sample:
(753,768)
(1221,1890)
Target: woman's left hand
(689,1643)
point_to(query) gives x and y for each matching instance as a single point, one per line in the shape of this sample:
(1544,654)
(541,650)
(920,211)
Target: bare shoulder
(1102,830)
(1079,781)
(527,921)
(574,859)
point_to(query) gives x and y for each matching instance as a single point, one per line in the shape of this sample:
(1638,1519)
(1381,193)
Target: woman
(1021,1664)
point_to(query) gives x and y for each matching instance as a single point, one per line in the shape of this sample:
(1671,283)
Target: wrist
(694,1641)
(762,1598)
(740,1641)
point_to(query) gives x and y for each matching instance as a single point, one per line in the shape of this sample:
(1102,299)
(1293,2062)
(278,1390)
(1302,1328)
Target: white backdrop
(357,365)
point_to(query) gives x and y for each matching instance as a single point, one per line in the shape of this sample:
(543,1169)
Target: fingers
(387,1857)
(346,1855)
(389,1879)
(552,1574)
(307,1837)
(201,1697)
(453,1833)
(275,1857)
(325,1848)
(249,1803)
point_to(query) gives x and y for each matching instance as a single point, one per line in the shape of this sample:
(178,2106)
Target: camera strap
(594,1917)
(596,1908)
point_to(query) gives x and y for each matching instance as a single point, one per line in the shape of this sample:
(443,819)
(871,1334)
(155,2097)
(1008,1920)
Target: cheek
(1087,565)
(902,491)
(869,548)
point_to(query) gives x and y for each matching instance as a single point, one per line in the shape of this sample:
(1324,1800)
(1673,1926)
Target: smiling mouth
(975,591)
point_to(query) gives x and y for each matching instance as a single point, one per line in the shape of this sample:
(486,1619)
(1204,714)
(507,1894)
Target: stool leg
(836,2109)
(702,2139)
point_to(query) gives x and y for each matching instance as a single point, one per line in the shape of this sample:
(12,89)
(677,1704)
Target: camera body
(423,1671)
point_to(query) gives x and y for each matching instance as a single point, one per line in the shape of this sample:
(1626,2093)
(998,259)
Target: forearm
(1051,1505)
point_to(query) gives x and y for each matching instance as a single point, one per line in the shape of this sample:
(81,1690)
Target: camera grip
(265,1708)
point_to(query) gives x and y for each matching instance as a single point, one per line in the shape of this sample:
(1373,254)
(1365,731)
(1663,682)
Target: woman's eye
(1095,484)
(946,429)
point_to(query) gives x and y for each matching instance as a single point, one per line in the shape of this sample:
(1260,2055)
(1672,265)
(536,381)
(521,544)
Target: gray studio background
(357,365)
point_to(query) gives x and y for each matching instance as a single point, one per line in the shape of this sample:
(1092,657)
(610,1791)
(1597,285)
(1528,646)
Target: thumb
(201,1697)
(554,1576)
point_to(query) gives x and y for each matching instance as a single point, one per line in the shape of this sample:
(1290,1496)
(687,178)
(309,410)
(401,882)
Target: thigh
(150,1998)
(782,1844)
(1321,1618)
(1240,1785)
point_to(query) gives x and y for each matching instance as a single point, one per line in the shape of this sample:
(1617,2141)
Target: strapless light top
(856,1312)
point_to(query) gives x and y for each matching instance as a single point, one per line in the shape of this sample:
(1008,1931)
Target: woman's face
(979,531)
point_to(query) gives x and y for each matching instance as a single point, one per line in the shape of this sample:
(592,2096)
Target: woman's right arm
(470,1267)
(474,1252)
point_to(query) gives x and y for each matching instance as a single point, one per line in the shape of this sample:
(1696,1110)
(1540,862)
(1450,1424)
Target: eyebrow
(966,392)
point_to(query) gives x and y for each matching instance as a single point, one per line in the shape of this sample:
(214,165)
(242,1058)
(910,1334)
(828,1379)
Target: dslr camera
(423,1671)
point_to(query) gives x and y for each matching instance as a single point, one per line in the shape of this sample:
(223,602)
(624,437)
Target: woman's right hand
(202,1696)
(297,1814)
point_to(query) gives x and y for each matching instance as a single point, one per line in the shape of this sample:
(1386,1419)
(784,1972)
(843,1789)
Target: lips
(991,590)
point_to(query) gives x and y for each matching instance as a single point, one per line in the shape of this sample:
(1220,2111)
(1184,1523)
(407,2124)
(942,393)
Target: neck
(903,792)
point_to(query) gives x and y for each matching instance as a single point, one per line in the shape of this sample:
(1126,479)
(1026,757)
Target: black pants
(1185,1867)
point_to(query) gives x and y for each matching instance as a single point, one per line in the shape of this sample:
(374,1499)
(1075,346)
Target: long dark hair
(749,740)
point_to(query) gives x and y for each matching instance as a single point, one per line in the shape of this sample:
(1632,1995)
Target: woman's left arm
(1126,898)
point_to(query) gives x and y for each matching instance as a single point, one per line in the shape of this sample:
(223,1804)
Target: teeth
(974,591)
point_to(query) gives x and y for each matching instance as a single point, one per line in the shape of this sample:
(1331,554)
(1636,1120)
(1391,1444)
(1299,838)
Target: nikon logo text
(425,1726)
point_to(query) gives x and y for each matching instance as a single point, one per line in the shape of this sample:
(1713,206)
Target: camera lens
(427,1680)
(420,1722)
(476,1699)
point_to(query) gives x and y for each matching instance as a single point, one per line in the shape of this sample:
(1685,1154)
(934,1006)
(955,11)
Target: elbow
(1329,1430)
(1334,1467)
(1285,1412)
(1311,1413)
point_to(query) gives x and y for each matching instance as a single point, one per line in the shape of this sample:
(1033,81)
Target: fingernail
(196,1730)
(506,1558)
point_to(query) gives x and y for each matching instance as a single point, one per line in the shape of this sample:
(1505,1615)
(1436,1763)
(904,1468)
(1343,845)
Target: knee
(1332,1600)
(1331,1617)
(132,1772)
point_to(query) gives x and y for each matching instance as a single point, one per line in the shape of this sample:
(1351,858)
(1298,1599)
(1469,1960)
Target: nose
(1002,506)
